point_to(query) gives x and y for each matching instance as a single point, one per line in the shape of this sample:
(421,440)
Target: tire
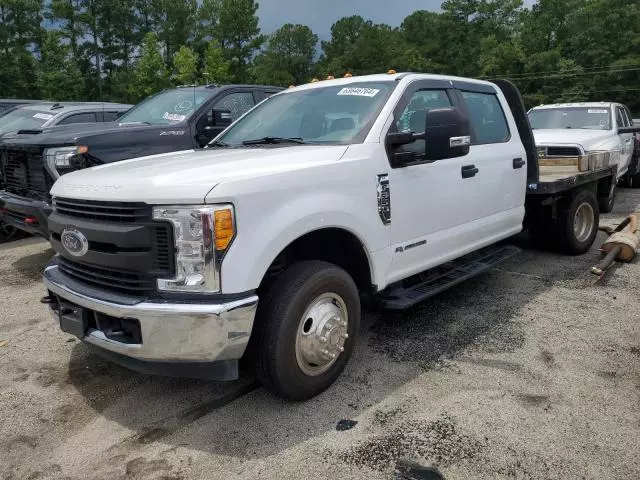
(7,232)
(632,181)
(605,204)
(303,299)
(573,239)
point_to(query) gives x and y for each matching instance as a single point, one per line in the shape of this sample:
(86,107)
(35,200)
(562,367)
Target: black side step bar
(413,290)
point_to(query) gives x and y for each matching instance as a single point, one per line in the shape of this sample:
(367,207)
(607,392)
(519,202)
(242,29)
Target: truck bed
(559,178)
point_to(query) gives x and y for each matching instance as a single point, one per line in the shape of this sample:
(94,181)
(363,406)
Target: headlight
(60,157)
(202,236)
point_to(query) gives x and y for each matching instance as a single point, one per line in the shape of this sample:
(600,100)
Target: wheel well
(604,186)
(333,245)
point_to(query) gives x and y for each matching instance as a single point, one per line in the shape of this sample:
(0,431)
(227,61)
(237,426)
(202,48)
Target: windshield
(340,114)
(23,119)
(574,117)
(166,108)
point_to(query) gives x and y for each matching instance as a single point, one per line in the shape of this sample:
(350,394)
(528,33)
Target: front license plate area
(74,319)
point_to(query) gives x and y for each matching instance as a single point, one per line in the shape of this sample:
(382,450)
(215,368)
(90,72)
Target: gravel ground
(529,371)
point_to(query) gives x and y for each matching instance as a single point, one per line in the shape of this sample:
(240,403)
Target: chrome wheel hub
(322,333)
(583,222)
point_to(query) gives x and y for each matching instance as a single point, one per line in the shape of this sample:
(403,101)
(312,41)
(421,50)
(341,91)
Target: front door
(238,103)
(626,139)
(444,209)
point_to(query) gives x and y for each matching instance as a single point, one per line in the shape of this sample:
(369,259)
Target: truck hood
(72,134)
(588,139)
(187,177)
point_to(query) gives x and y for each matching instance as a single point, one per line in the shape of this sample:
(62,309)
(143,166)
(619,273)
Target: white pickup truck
(595,131)
(392,187)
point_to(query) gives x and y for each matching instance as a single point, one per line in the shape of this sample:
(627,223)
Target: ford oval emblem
(74,242)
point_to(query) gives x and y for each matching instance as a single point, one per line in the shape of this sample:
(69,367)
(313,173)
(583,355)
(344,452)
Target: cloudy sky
(321,14)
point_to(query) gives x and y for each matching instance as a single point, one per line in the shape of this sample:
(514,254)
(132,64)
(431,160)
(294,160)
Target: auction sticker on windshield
(174,117)
(359,92)
(43,116)
(593,110)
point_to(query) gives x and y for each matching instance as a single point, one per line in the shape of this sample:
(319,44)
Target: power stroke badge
(384,199)
(74,242)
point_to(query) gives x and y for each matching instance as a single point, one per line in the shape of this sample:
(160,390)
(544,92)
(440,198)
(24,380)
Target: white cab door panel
(438,212)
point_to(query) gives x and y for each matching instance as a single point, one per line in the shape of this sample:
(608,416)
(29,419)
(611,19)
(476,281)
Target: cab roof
(385,77)
(577,105)
(59,107)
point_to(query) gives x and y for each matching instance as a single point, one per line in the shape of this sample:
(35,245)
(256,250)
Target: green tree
(217,68)
(185,63)
(174,20)
(360,47)
(239,35)
(20,36)
(288,58)
(150,73)
(344,34)
(65,14)
(59,77)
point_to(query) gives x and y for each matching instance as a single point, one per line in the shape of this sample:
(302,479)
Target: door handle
(469,171)
(518,163)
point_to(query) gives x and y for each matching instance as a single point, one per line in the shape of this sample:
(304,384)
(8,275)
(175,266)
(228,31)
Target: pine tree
(216,67)
(150,73)
(185,63)
(59,77)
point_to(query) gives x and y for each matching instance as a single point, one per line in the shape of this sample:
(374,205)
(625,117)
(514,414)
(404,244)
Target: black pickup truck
(178,119)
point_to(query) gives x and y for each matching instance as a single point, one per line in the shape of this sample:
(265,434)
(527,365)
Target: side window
(627,117)
(412,118)
(85,117)
(110,116)
(487,118)
(237,103)
(620,119)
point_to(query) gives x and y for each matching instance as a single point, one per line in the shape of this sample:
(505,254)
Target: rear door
(499,156)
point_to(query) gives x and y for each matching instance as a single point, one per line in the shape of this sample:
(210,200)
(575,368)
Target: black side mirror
(634,129)
(221,118)
(446,134)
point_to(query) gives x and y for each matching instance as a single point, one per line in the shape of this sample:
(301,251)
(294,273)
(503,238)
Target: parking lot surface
(529,371)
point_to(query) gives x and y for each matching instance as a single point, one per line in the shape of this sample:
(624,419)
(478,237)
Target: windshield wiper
(274,141)
(136,123)
(218,143)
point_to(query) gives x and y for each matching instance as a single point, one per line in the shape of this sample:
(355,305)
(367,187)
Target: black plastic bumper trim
(223,370)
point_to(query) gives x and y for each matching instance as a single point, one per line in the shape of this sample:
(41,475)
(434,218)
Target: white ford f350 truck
(601,132)
(389,187)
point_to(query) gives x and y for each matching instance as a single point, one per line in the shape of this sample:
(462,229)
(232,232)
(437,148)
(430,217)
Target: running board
(413,290)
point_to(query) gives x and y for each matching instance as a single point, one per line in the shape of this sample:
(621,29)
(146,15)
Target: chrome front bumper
(170,332)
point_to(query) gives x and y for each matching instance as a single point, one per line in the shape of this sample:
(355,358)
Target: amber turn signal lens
(224,228)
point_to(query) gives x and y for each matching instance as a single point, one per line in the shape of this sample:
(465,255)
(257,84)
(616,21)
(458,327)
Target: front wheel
(306,329)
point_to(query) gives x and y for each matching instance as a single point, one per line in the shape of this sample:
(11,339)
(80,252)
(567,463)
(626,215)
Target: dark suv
(183,118)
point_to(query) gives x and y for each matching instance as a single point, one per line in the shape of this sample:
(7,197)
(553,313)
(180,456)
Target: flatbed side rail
(569,182)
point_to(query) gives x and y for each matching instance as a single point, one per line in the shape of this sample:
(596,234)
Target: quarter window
(487,118)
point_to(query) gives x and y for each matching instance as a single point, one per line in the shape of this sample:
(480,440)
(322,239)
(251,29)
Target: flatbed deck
(557,179)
